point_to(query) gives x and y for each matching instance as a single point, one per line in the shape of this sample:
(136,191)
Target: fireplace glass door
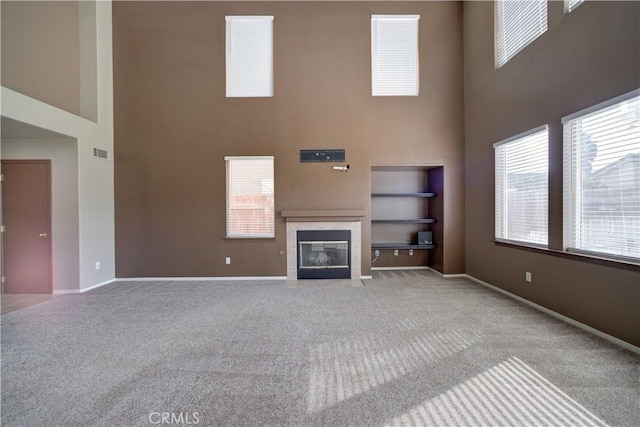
(323,255)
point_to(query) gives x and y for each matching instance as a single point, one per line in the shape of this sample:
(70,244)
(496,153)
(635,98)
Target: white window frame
(574,230)
(269,231)
(249,56)
(502,214)
(395,58)
(511,38)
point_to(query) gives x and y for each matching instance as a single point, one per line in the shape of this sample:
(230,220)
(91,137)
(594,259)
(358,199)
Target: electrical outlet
(410,252)
(98,265)
(227,260)
(377,252)
(395,252)
(527,276)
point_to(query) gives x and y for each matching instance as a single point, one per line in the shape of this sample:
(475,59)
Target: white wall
(95,176)
(64,202)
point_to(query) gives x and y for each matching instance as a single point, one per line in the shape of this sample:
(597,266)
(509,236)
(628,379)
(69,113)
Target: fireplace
(323,254)
(324,220)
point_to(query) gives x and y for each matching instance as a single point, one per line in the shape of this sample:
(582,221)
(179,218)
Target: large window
(394,55)
(522,187)
(602,179)
(249,56)
(518,23)
(250,200)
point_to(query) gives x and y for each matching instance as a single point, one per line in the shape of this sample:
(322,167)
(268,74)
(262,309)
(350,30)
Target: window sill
(259,239)
(607,262)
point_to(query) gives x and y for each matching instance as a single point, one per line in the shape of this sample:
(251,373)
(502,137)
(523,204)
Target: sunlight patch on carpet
(510,393)
(346,368)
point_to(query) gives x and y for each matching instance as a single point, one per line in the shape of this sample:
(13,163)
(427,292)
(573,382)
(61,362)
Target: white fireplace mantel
(314,215)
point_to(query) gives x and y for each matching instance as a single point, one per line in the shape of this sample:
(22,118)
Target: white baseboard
(79,291)
(197,279)
(201,279)
(420,267)
(559,316)
(65,291)
(449,276)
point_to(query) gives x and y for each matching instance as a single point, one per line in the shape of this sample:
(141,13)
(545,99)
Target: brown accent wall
(586,57)
(173,126)
(41,51)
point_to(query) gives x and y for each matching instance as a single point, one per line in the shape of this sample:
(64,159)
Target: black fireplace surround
(323,254)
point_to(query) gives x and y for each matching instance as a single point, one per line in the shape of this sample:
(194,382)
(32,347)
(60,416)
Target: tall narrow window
(250,197)
(522,187)
(602,179)
(518,23)
(570,5)
(249,56)
(394,55)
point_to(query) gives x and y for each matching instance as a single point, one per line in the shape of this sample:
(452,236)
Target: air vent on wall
(102,154)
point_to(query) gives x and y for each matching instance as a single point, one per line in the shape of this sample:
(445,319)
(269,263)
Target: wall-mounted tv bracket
(320,156)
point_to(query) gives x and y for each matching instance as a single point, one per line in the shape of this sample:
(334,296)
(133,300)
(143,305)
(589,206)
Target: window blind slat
(522,188)
(602,180)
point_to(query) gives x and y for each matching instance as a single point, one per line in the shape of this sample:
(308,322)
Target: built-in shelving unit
(404,202)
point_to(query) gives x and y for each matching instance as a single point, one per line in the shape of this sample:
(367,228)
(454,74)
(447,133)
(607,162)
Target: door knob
(43,235)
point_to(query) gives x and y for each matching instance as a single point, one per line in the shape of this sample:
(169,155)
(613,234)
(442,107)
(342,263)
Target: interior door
(26,207)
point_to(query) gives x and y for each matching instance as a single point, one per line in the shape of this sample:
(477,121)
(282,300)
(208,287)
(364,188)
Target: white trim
(249,158)
(395,17)
(65,291)
(80,291)
(603,335)
(521,243)
(602,105)
(196,279)
(522,135)
(420,267)
(248,18)
(447,276)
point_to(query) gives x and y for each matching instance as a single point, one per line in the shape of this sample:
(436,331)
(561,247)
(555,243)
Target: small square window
(249,56)
(394,55)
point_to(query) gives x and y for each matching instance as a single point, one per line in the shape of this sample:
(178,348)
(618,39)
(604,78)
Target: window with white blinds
(249,56)
(570,5)
(250,197)
(602,179)
(522,165)
(518,23)
(394,55)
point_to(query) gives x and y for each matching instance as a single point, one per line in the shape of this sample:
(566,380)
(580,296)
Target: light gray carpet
(407,348)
